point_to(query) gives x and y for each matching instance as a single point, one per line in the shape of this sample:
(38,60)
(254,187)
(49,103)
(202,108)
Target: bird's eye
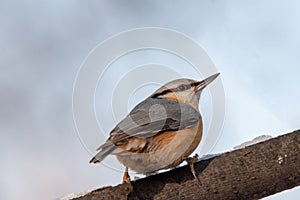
(181,87)
(184,87)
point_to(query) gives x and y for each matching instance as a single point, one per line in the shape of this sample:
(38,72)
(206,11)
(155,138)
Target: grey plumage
(155,115)
(149,118)
(103,153)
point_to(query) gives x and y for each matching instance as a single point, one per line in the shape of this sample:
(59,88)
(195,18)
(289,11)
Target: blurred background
(255,45)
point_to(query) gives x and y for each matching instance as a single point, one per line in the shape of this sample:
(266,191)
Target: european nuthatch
(161,131)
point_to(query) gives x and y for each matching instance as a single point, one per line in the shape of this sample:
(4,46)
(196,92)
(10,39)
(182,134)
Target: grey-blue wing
(153,116)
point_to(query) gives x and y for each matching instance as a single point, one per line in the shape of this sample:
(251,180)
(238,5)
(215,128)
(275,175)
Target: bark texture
(253,172)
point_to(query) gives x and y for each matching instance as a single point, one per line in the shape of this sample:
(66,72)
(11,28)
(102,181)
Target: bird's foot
(126,177)
(191,161)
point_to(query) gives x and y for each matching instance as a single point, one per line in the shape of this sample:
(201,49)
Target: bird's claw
(191,161)
(126,177)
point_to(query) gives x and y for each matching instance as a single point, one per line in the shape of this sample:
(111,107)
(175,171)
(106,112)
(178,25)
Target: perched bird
(161,131)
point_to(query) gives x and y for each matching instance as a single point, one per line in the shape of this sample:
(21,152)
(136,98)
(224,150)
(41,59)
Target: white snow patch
(254,141)
(208,156)
(72,196)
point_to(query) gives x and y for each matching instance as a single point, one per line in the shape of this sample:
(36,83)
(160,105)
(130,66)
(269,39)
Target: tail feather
(102,154)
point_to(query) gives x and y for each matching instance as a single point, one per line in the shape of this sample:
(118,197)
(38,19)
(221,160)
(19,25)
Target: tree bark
(253,172)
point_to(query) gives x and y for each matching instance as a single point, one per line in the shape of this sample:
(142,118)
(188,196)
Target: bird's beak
(200,85)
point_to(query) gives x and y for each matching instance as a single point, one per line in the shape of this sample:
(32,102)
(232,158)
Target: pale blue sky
(254,44)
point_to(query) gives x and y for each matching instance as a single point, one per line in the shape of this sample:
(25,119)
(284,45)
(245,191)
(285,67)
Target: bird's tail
(102,153)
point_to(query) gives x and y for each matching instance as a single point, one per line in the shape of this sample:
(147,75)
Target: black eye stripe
(179,88)
(162,93)
(195,84)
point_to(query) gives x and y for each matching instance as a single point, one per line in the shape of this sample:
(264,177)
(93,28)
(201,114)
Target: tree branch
(253,172)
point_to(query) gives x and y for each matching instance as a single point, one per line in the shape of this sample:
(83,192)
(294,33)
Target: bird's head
(184,90)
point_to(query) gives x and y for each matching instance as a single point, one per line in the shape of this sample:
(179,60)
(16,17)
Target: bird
(161,131)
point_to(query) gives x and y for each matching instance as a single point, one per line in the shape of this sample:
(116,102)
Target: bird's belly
(164,151)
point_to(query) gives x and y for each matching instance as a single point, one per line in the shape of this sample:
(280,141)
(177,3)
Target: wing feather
(153,116)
